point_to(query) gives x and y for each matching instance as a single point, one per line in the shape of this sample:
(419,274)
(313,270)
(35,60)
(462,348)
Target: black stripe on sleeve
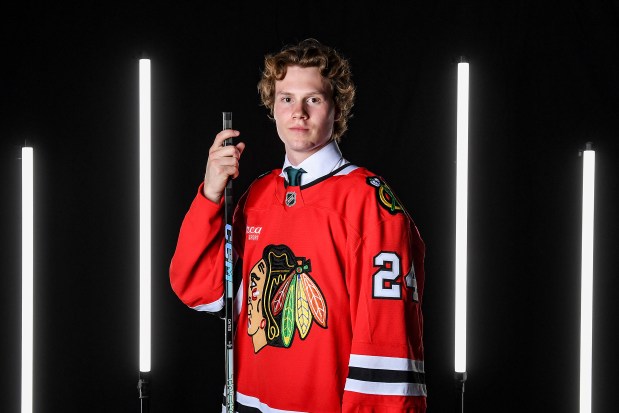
(385,376)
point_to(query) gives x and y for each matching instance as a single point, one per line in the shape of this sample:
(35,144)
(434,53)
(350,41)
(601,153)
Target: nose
(299,111)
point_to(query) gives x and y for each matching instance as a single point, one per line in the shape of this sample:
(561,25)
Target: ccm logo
(229,253)
(253,232)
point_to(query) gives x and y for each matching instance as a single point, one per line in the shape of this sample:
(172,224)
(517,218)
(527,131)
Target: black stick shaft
(228,286)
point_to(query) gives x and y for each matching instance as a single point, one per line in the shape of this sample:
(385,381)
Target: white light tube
(461,215)
(586,300)
(27,303)
(145,215)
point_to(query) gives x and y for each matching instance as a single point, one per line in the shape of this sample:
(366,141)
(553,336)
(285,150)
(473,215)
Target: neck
(295,158)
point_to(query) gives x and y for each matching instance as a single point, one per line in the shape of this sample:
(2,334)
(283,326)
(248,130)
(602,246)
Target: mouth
(298,126)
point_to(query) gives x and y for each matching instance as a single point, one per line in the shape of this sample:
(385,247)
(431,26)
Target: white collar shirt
(319,164)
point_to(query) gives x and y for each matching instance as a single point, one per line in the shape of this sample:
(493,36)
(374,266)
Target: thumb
(241,147)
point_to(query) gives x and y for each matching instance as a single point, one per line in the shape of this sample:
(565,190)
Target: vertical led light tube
(461,215)
(586,300)
(27,303)
(145,216)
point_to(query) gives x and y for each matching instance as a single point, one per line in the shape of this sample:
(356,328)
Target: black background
(544,81)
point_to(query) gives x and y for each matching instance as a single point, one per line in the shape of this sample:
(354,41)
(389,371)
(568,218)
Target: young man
(329,306)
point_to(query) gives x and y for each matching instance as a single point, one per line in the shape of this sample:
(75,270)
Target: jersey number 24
(385,283)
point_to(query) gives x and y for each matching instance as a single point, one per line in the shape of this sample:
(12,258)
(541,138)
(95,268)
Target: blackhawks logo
(386,197)
(282,298)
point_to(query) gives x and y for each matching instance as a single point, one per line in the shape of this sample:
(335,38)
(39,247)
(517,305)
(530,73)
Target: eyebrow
(315,92)
(253,276)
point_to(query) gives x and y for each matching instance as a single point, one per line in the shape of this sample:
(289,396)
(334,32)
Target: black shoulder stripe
(262,175)
(329,175)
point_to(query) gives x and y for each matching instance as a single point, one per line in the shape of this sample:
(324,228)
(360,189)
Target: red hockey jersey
(329,306)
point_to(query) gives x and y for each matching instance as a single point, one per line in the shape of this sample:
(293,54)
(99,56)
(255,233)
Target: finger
(222,136)
(225,161)
(230,150)
(224,152)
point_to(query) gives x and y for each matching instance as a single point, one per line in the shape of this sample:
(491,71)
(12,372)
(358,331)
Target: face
(303,112)
(256,323)
(255,313)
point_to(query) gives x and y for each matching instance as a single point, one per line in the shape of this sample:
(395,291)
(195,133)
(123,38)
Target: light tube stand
(586,301)
(461,231)
(145,235)
(27,303)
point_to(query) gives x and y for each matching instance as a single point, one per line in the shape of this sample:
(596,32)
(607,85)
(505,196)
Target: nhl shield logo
(291,198)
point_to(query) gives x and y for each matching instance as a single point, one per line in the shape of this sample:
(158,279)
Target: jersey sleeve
(386,280)
(196,268)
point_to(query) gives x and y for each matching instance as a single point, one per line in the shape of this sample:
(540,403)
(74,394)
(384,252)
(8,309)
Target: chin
(300,145)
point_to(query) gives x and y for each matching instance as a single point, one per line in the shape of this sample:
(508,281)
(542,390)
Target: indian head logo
(386,197)
(282,298)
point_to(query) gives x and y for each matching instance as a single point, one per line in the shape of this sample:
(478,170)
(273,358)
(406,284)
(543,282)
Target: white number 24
(384,284)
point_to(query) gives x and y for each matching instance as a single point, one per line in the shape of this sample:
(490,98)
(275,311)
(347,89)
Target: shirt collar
(323,162)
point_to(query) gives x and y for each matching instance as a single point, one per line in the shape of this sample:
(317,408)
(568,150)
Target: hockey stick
(228,287)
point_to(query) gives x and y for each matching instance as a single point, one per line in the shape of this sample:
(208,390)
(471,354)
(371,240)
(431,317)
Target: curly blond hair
(332,66)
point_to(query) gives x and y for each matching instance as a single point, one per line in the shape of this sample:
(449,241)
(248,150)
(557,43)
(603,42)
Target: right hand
(222,164)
